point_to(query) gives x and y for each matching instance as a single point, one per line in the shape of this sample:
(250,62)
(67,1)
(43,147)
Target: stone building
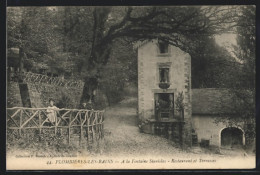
(210,104)
(164,75)
(167,105)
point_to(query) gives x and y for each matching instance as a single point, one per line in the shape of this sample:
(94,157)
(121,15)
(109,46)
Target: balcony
(168,115)
(166,124)
(164,85)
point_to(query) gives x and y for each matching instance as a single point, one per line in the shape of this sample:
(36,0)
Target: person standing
(89,105)
(83,105)
(52,112)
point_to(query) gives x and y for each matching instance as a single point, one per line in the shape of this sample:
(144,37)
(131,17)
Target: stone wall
(35,96)
(41,93)
(13,95)
(187,101)
(206,128)
(141,84)
(148,76)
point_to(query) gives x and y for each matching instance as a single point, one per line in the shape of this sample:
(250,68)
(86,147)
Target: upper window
(163,47)
(164,75)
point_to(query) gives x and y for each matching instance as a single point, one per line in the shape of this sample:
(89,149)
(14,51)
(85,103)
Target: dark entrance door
(164,106)
(232,137)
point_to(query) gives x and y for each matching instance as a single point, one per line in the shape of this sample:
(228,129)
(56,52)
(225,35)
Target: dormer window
(163,47)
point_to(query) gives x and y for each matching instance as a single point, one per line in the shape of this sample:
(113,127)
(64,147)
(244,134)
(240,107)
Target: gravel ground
(124,142)
(123,138)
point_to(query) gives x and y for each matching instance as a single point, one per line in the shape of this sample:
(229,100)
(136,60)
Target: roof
(138,44)
(212,101)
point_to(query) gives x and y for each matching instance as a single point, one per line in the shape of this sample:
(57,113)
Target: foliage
(179,102)
(243,82)
(13,96)
(212,66)
(121,69)
(44,40)
(65,101)
(81,41)
(34,141)
(176,25)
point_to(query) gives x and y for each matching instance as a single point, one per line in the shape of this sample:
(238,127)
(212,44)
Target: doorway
(164,106)
(232,137)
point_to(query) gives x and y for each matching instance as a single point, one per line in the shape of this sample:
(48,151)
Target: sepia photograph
(130,87)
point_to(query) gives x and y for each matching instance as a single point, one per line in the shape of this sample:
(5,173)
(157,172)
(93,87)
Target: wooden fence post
(88,129)
(69,128)
(55,128)
(81,129)
(93,128)
(99,125)
(87,125)
(90,121)
(40,121)
(20,117)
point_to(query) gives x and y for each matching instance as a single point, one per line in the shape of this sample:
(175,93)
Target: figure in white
(51,112)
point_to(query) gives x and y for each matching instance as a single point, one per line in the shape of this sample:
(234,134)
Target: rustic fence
(40,78)
(88,123)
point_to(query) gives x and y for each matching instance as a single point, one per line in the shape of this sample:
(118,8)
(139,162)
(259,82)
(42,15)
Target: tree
(178,26)
(85,36)
(27,30)
(174,24)
(212,66)
(243,82)
(119,71)
(51,37)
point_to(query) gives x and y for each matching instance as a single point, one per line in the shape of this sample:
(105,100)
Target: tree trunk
(21,60)
(100,52)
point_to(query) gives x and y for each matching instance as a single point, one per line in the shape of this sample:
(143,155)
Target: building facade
(208,106)
(167,105)
(164,75)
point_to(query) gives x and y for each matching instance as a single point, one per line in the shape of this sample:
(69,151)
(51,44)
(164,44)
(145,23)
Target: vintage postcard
(126,87)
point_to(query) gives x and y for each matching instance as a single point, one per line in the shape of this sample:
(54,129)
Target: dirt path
(123,138)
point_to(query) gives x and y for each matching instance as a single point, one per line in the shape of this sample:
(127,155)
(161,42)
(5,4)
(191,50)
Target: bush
(64,102)
(35,141)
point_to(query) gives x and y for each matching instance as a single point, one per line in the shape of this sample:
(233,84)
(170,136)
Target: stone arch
(231,136)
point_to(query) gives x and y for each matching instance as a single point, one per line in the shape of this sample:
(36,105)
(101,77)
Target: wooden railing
(89,123)
(40,78)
